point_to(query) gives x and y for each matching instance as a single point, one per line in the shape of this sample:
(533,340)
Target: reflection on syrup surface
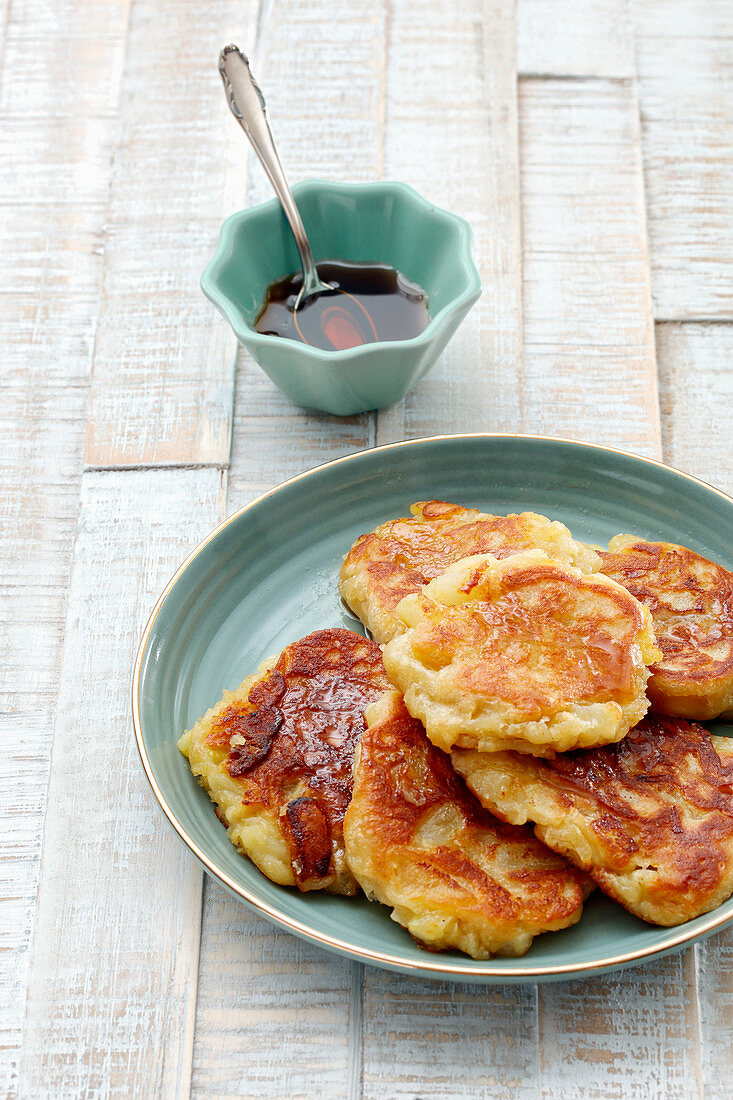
(372,303)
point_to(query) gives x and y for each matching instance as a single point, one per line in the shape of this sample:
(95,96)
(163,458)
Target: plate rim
(427,968)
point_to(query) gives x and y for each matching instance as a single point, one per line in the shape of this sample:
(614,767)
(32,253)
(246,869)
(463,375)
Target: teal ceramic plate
(267,576)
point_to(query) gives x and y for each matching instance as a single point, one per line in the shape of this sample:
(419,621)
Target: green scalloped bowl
(369,222)
(267,576)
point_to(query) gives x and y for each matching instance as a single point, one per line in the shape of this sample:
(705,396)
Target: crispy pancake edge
(453,716)
(703,689)
(592,823)
(382,567)
(414,837)
(280,786)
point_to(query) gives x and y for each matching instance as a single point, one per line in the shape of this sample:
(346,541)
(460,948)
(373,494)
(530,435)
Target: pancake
(276,756)
(456,877)
(401,556)
(650,819)
(523,654)
(691,603)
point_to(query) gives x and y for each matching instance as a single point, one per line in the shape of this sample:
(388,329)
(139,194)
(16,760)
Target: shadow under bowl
(381,222)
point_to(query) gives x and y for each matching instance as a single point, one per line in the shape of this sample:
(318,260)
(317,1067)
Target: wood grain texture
(589,342)
(53,191)
(451,131)
(322,70)
(49,272)
(683,50)
(35,162)
(274,1014)
(262,1014)
(574,38)
(164,362)
(447,1040)
(421,1038)
(112,976)
(633,1034)
(696,396)
(63,58)
(714,974)
(262,416)
(591,374)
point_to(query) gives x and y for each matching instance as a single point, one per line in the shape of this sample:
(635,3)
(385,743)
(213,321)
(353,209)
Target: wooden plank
(36,162)
(714,973)
(632,1034)
(590,374)
(714,967)
(322,71)
(452,133)
(164,361)
(63,59)
(440,1039)
(256,982)
(273,439)
(49,272)
(273,1013)
(117,888)
(683,49)
(4,15)
(574,38)
(589,343)
(53,189)
(421,1037)
(696,396)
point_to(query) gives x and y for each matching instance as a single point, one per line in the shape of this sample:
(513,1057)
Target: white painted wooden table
(590,145)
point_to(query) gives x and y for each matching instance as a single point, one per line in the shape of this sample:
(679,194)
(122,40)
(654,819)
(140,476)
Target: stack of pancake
(491,755)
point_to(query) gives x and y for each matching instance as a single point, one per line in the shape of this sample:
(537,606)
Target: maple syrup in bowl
(369,303)
(417,286)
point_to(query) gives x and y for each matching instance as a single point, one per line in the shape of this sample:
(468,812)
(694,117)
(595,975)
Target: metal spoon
(247,104)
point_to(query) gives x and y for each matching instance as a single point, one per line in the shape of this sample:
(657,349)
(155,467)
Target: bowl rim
(244,331)
(676,937)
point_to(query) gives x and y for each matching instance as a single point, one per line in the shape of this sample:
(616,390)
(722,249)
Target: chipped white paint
(273,1013)
(684,50)
(574,38)
(256,982)
(53,194)
(163,368)
(628,1035)
(451,131)
(112,976)
(63,59)
(442,1040)
(48,258)
(588,332)
(123,998)
(696,398)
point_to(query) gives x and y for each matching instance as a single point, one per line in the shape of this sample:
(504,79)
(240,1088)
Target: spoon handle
(247,104)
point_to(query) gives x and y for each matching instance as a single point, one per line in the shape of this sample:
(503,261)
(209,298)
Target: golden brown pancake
(691,602)
(417,840)
(523,654)
(276,756)
(649,819)
(401,556)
